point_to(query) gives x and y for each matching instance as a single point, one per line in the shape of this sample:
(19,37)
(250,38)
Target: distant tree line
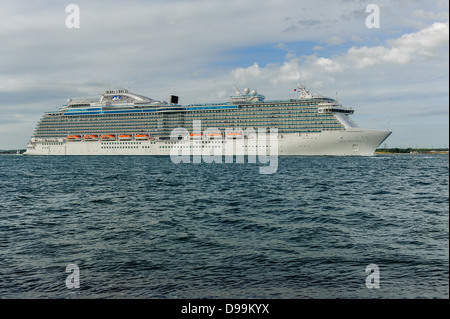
(409,150)
(11,151)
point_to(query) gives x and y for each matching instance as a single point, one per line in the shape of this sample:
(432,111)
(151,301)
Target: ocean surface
(144,227)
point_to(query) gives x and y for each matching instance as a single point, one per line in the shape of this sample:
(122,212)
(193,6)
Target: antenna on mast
(237,91)
(304,94)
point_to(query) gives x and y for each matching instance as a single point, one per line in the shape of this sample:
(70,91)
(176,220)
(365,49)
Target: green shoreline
(424,153)
(412,151)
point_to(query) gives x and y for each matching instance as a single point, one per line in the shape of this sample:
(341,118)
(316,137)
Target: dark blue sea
(144,227)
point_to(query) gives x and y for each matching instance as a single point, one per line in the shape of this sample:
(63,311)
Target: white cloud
(427,43)
(328,65)
(335,40)
(431,42)
(242,74)
(431,16)
(356,38)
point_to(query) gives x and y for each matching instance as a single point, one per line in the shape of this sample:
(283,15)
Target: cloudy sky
(394,76)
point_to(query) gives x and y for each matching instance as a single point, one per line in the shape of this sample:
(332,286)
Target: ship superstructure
(125,123)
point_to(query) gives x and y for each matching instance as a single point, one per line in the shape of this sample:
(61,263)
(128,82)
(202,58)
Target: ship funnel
(173,99)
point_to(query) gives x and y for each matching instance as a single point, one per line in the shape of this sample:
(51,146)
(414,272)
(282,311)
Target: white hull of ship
(351,142)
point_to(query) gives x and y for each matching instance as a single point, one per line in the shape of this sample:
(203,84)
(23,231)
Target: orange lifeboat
(92,137)
(108,137)
(142,136)
(234,135)
(74,137)
(196,135)
(125,137)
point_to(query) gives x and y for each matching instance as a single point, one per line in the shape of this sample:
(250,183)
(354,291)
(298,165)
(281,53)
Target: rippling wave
(143,227)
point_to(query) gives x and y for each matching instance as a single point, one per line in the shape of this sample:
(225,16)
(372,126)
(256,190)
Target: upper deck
(119,112)
(122,101)
(113,99)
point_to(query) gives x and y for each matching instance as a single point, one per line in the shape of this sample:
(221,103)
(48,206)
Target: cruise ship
(120,122)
